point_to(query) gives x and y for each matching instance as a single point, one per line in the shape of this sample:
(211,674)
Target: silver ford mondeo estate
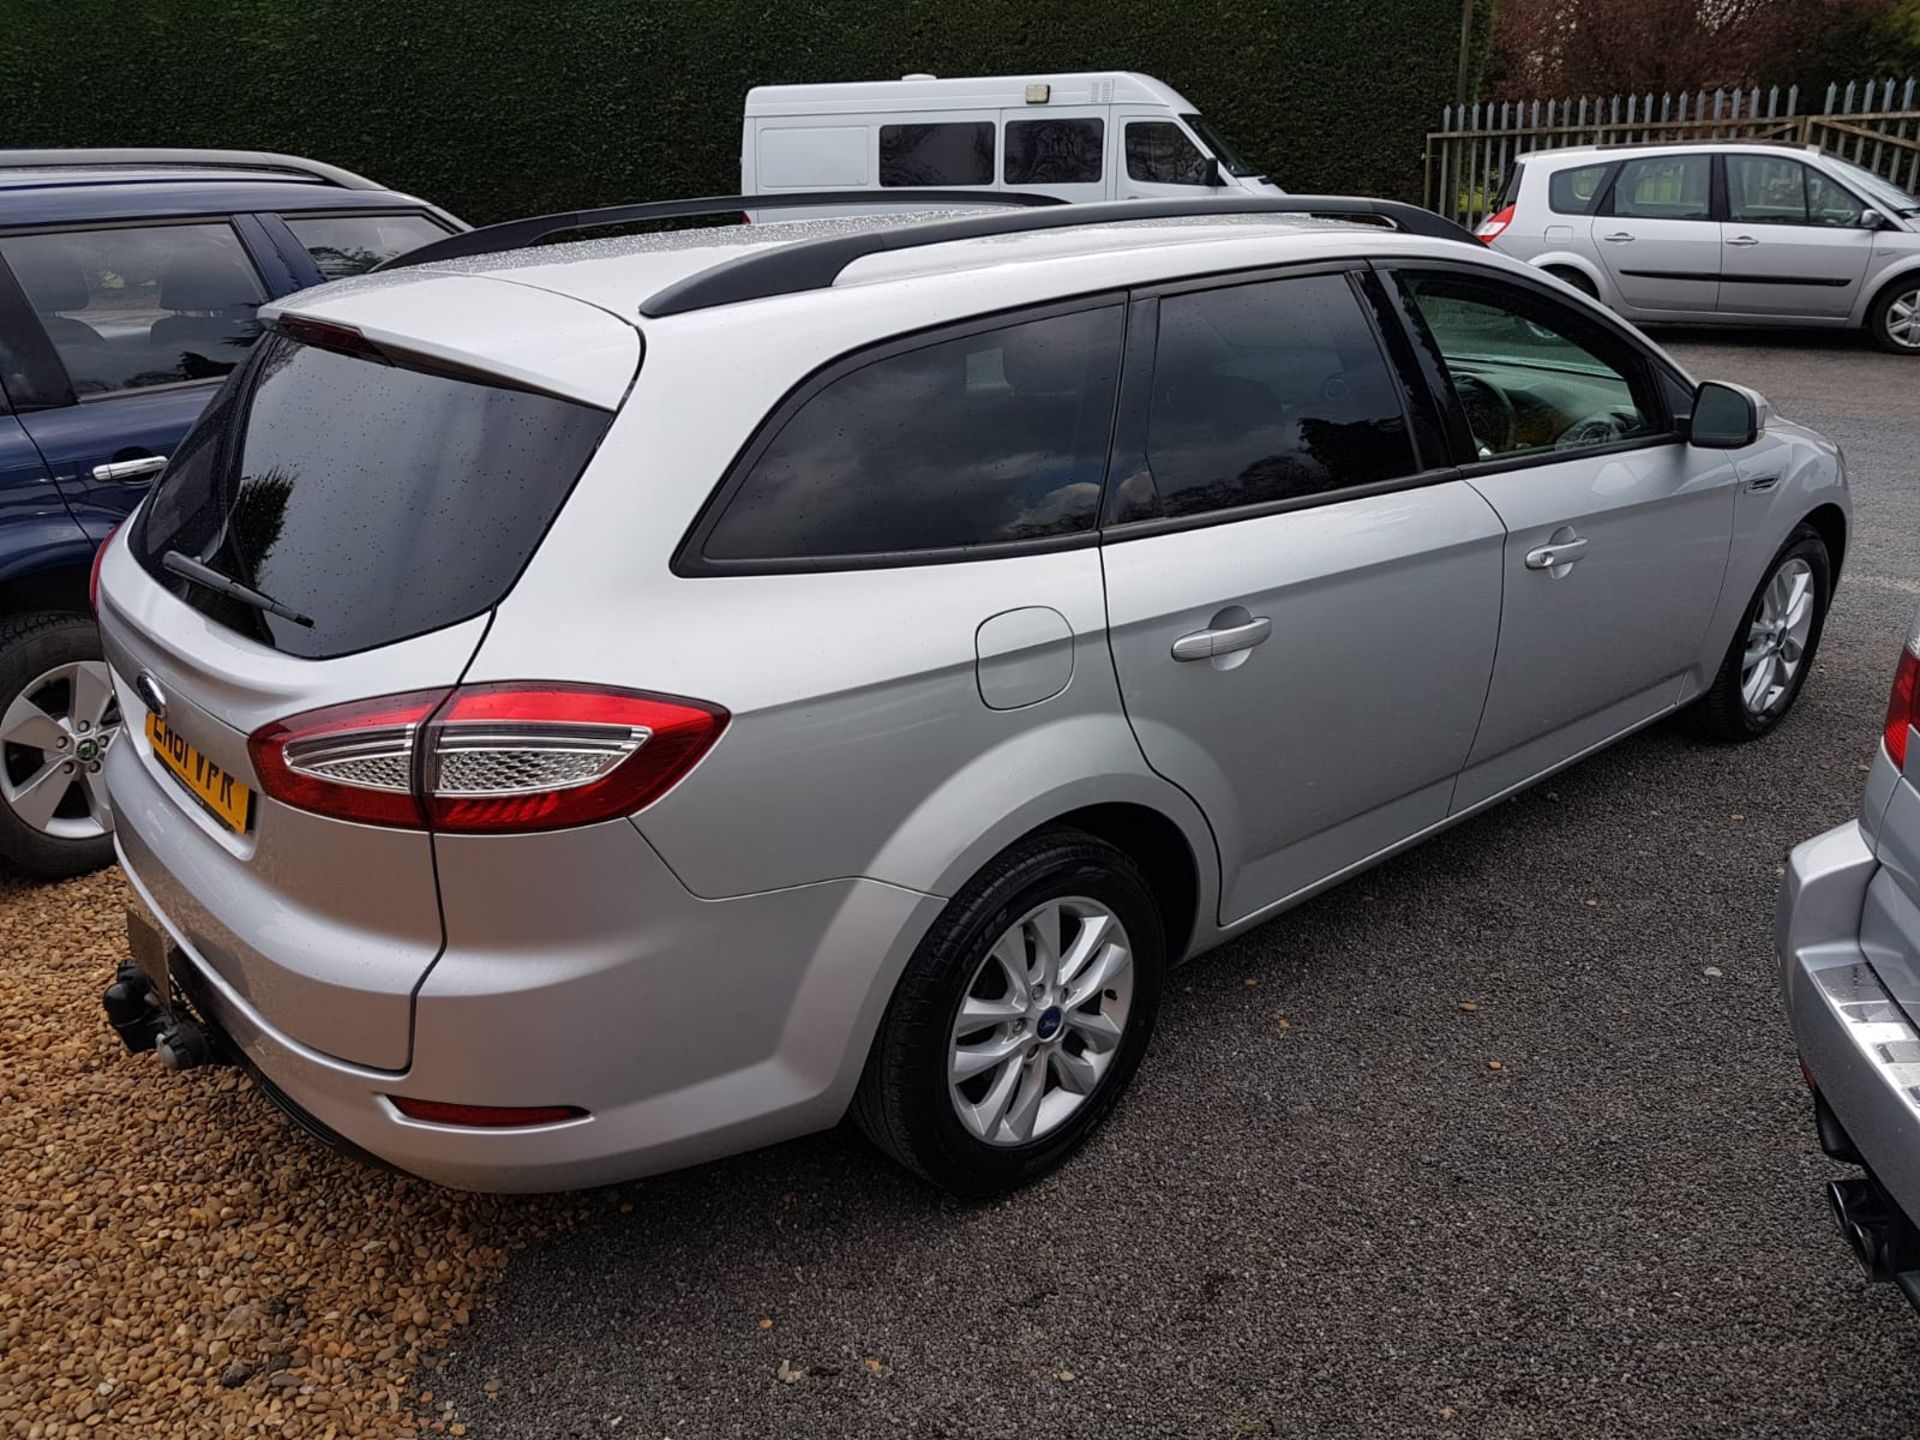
(596,707)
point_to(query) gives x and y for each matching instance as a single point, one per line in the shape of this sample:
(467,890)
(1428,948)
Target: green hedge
(507,107)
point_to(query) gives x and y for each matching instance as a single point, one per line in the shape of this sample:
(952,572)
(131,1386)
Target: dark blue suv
(128,285)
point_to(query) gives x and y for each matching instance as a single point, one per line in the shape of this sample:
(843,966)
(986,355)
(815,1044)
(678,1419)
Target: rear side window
(1665,187)
(382,502)
(140,305)
(1159,152)
(1054,152)
(343,245)
(950,154)
(1266,392)
(1576,191)
(990,437)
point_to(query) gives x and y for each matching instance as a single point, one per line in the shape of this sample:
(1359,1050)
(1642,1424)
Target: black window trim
(230,218)
(689,558)
(1135,386)
(1666,379)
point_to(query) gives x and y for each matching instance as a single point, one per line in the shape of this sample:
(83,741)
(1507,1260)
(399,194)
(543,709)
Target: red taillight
(1494,226)
(1903,706)
(486,759)
(485,1117)
(93,576)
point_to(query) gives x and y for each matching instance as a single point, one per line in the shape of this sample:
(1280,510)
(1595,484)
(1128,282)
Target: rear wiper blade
(205,575)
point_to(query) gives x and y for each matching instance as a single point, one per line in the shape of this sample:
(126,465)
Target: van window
(948,154)
(1265,392)
(1054,152)
(1576,191)
(1158,151)
(994,436)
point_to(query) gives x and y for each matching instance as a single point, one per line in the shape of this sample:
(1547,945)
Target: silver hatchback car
(599,707)
(1725,233)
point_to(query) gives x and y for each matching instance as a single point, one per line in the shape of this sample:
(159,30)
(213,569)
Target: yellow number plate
(227,799)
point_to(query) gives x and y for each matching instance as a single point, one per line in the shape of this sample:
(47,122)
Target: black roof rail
(518,234)
(816,264)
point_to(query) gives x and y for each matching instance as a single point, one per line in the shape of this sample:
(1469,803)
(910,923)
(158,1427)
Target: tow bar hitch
(142,1022)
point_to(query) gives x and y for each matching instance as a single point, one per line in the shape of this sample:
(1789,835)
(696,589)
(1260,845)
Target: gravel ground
(1323,1211)
(175,1259)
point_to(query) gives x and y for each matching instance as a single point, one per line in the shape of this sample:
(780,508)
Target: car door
(1657,236)
(144,321)
(1292,572)
(1617,531)
(1157,158)
(1055,152)
(1792,243)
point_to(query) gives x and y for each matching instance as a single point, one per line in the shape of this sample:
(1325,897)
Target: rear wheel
(1020,1019)
(1893,320)
(1576,279)
(1772,651)
(57,717)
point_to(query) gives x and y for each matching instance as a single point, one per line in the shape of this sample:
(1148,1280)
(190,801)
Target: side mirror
(1726,417)
(1872,220)
(1210,174)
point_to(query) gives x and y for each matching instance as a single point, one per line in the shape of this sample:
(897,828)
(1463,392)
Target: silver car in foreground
(598,707)
(1848,936)
(1726,233)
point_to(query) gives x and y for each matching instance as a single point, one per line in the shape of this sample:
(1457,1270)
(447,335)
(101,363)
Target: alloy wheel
(53,739)
(1041,1021)
(1777,637)
(1903,320)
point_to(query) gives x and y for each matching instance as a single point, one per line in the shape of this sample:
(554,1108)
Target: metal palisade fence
(1874,123)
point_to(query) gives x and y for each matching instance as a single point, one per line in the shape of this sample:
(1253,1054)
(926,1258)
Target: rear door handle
(1205,644)
(1743,240)
(1548,556)
(1618,237)
(122,470)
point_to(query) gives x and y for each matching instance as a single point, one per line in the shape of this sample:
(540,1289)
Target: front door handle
(1548,556)
(1619,237)
(1743,240)
(120,470)
(1205,644)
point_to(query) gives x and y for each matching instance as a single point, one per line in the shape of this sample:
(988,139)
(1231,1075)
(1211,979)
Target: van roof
(988,92)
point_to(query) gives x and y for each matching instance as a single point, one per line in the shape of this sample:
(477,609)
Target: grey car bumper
(1859,1046)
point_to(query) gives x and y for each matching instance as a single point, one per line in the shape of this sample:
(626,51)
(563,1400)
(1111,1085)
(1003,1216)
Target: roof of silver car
(729,264)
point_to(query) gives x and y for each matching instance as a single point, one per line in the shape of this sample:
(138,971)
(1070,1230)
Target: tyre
(1893,320)
(57,717)
(1577,280)
(1773,649)
(1020,1019)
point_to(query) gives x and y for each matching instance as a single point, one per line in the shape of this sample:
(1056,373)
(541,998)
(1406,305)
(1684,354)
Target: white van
(1106,136)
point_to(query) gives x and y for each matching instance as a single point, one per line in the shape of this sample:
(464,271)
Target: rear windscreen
(378,501)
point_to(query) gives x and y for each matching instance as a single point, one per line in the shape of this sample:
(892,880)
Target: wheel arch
(1558,260)
(1830,523)
(1905,271)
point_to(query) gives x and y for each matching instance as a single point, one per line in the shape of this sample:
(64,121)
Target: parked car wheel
(59,716)
(1894,319)
(1773,649)
(1576,279)
(1020,1019)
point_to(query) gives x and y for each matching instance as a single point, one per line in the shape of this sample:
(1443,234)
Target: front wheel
(1773,650)
(1894,318)
(1020,1019)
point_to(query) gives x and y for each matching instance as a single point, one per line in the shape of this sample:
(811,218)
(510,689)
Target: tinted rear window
(939,155)
(381,502)
(991,437)
(1576,191)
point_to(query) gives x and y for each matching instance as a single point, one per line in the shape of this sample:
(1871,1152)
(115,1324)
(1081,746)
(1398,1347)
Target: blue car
(129,281)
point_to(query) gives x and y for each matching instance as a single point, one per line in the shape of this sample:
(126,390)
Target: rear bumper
(1858,1043)
(687,1029)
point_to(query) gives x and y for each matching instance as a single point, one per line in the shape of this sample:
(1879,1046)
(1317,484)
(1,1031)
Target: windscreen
(377,501)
